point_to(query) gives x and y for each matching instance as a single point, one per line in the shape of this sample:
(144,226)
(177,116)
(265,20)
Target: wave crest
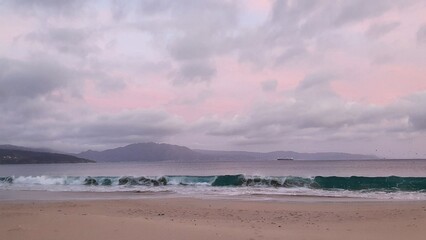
(354,183)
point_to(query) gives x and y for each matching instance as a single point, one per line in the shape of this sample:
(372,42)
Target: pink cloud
(259,5)
(383,85)
(152,94)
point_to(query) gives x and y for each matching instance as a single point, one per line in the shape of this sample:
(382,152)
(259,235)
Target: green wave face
(229,180)
(392,183)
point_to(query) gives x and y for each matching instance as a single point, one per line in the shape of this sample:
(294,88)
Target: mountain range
(150,152)
(162,152)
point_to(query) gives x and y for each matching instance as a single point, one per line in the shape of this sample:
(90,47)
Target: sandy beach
(184,218)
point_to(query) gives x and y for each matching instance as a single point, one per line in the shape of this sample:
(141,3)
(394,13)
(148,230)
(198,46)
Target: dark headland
(10,154)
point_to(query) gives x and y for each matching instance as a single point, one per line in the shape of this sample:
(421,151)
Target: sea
(354,179)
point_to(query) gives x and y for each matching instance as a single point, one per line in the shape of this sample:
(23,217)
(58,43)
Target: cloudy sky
(256,75)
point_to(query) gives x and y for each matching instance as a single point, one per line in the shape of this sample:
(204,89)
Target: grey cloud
(289,34)
(281,38)
(197,32)
(82,43)
(315,82)
(269,85)
(293,26)
(209,15)
(34,97)
(351,11)
(86,129)
(312,111)
(189,19)
(415,106)
(45,8)
(110,84)
(191,47)
(142,123)
(419,121)
(286,20)
(194,72)
(17,112)
(119,9)
(379,29)
(105,81)
(286,10)
(45,78)
(32,120)
(31,79)
(291,53)
(74,41)
(296,19)
(153,7)
(421,34)
(317,106)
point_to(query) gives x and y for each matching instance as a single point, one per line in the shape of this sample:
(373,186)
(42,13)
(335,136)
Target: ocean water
(372,179)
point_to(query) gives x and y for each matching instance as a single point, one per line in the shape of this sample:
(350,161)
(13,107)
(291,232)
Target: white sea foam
(39,180)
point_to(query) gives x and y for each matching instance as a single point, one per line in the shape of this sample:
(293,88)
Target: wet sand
(186,218)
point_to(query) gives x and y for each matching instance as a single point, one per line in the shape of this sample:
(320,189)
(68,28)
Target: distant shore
(187,218)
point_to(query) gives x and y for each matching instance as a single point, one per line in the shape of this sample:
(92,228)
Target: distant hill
(15,155)
(144,152)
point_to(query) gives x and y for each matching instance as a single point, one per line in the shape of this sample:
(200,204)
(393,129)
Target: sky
(254,75)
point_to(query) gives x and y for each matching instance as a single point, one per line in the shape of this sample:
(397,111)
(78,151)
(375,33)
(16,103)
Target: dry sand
(178,218)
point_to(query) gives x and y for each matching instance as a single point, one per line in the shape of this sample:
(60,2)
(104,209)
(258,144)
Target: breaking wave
(353,183)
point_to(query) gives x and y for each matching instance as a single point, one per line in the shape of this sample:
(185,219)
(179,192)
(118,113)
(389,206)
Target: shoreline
(43,195)
(194,218)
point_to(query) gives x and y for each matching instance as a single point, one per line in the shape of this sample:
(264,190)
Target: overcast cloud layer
(301,75)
